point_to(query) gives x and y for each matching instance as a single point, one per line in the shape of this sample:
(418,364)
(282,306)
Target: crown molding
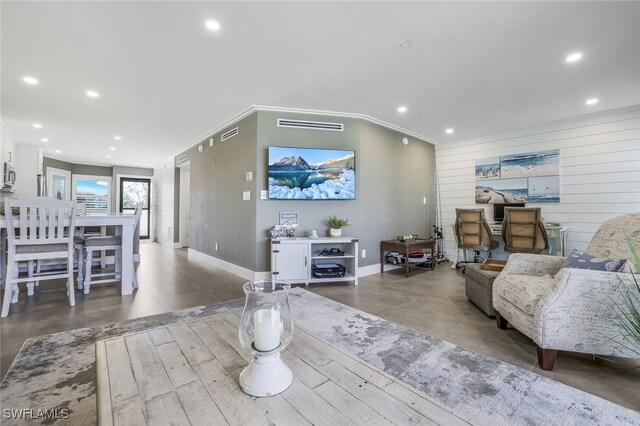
(255,108)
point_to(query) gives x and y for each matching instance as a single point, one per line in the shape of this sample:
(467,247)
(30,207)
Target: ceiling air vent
(180,158)
(228,135)
(317,125)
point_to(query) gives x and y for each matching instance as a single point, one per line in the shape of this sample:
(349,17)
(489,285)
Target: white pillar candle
(266,329)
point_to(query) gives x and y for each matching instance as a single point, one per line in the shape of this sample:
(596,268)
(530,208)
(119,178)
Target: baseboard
(245,273)
(374,269)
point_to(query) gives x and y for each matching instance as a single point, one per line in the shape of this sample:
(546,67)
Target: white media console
(292,259)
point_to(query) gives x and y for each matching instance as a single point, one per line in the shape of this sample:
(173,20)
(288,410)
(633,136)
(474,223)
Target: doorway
(132,192)
(185,203)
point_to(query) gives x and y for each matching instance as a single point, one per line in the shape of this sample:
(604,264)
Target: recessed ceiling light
(37,125)
(402,109)
(449,131)
(58,151)
(592,101)
(44,140)
(108,156)
(213,25)
(30,80)
(92,93)
(112,148)
(573,57)
(117,137)
(406,44)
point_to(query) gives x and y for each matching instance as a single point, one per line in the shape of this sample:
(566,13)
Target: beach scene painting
(544,189)
(311,174)
(488,168)
(532,164)
(501,191)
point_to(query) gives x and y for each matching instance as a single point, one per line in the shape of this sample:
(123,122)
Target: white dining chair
(103,243)
(45,231)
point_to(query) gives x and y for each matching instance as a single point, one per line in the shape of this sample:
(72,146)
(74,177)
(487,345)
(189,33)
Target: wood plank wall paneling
(163,187)
(599,171)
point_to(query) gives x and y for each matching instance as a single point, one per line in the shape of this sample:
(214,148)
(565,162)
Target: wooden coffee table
(405,248)
(188,374)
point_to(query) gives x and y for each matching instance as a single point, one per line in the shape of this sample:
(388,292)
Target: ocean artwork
(532,164)
(501,191)
(311,174)
(488,168)
(544,189)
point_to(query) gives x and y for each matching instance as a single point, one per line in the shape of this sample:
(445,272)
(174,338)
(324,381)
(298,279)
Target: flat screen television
(311,174)
(498,210)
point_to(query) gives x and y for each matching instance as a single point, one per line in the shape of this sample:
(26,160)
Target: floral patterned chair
(570,309)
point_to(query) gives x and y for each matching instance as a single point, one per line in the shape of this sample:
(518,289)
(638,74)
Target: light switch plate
(246,195)
(248,176)
(264,195)
(210,141)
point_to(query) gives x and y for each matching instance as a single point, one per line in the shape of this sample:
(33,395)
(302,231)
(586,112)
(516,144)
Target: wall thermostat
(248,176)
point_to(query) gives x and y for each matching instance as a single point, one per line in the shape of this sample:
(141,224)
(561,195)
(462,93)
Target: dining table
(124,224)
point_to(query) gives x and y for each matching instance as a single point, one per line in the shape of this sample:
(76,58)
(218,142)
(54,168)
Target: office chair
(473,233)
(523,231)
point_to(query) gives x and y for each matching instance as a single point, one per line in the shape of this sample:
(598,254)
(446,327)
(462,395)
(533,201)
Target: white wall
(163,188)
(599,171)
(7,145)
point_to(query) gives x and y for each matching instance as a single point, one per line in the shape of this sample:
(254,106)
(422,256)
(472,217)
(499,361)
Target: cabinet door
(290,262)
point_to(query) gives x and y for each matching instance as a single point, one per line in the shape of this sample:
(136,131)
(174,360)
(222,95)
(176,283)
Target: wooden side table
(406,248)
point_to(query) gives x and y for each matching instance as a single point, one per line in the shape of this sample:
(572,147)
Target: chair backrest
(472,230)
(610,240)
(41,220)
(523,230)
(136,232)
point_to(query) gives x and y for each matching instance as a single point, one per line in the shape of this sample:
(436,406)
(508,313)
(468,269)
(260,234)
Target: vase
(266,328)
(335,233)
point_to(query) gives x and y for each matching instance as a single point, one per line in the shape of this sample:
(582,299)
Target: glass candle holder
(266,328)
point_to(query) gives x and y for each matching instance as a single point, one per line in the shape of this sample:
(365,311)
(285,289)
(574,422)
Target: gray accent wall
(218,213)
(87,169)
(392,181)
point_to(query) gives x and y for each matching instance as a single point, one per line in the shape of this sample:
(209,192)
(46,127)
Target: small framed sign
(289,219)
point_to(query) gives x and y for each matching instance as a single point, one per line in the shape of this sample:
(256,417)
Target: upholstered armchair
(570,309)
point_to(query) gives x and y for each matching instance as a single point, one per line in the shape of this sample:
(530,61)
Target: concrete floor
(431,302)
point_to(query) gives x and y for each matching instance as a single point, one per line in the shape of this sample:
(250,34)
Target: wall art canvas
(311,174)
(488,168)
(501,191)
(544,189)
(531,164)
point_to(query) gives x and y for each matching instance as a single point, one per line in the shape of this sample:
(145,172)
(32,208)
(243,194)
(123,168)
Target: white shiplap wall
(599,171)
(163,186)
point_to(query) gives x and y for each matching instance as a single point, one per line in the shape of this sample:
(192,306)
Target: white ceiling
(482,68)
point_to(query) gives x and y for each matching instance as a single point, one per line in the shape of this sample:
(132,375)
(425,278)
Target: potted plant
(335,225)
(629,314)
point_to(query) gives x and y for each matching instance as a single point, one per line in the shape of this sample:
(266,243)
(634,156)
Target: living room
(196,97)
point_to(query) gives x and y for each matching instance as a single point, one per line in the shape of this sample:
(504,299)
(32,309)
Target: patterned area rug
(58,371)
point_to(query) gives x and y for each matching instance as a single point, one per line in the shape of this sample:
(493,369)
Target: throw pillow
(583,260)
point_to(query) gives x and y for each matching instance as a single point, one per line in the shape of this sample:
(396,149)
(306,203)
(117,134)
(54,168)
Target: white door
(59,183)
(290,262)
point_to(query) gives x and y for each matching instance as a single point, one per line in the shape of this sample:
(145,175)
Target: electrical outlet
(364,253)
(264,195)
(216,246)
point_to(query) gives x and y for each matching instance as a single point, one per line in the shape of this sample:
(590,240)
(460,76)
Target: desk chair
(41,234)
(473,233)
(523,231)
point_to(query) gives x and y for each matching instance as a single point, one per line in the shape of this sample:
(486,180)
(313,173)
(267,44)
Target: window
(95,191)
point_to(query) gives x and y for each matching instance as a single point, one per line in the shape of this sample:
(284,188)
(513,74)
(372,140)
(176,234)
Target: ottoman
(478,286)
